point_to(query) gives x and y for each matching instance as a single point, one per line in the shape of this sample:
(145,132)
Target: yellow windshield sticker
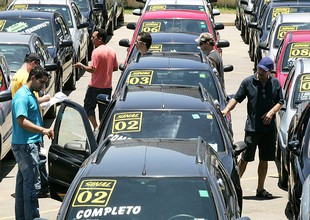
(20,7)
(18,27)
(151,27)
(2,24)
(300,50)
(140,77)
(277,11)
(305,83)
(284,29)
(156,48)
(209,116)
(127,122)
(94,193)
(157,7)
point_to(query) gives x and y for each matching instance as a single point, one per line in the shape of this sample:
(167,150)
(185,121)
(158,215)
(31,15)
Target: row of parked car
(59,32)
(163,149)
(280,29)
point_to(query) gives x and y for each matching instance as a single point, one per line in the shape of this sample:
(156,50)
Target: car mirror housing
(124,43)
(66,43)
(294,147)
(83,25)
(239,147)
(223,43)
(137,12)
(103,99)
(5,95)
(51,67)
(228,68)
(131,26)
(218,26)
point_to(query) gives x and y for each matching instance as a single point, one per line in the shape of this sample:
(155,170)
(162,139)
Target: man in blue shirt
(265,99)
(27,135)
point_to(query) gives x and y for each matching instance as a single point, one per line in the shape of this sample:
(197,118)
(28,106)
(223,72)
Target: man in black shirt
(265,99)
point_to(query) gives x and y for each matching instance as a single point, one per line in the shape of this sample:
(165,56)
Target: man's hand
(78,65)
(49,132)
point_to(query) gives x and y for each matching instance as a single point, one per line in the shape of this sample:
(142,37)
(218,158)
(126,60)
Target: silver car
(295,90)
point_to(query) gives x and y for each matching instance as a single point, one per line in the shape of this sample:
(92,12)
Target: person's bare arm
(29,126)
(84,67)
(269,115)
(230,106)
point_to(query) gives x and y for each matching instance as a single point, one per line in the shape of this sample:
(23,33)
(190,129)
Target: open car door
(74,142)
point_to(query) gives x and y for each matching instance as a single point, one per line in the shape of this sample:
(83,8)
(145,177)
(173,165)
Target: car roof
(139,157)
(170,14)
(26,14)
(163,97)
(170,60)
(294,17)
(49,2)
(15,38)
(297,36)
(175,2)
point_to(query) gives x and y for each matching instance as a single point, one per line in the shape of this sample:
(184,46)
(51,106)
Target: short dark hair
(146,38)
(38,72)
(101,34)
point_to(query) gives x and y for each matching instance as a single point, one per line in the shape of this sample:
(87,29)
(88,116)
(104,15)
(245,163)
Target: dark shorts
(266,144)
(90,100)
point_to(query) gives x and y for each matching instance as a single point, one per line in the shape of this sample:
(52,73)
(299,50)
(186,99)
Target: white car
(295,90)
(279,27)
(200,5)
(76,22)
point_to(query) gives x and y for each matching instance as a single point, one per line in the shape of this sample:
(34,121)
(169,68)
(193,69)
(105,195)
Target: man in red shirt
(103,63)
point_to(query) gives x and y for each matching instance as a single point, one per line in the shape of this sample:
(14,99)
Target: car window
(5,67)
(42,27)
(3,85)
(166,124)
(136,198)
(42,51)
(301,89)
(178,77)
(174,26)
(84,5)
(72,129)
(294,51)
(62,9)
(77,15)
(14,55)
(286,27)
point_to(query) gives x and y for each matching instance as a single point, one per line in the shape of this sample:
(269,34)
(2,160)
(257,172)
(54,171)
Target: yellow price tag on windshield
(127,122)
(151,27)
(140,77)
(19,7)
(284,29)
(156,48)
(305,83)
(300,50)
(277,11)
(157,7)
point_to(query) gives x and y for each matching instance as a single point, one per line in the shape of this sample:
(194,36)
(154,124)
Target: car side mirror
(124,43)
(216,12)
(121,67)
(228,68)
(83,25)
(51,67)
(222,43)
(66,43)
(263,45)
(103,99)
(137,12)
(239,147)
(294,147)
(218,26)
(5,95)
(131,26)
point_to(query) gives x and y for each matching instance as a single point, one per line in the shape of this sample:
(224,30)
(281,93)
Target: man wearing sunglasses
(143,42)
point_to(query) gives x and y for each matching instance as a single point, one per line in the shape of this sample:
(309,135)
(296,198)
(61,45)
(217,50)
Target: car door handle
(53,156)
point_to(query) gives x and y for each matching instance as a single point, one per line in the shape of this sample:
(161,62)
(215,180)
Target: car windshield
(175,7)
(177,77)
(294,51)
(41,27)
(284,28)
(166,124)
(301,89)
(174,26)
(138,198)
(274,12)
(62,9)
(14,54)
(83,5)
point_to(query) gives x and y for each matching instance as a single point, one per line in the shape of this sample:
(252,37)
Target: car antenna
(144,165)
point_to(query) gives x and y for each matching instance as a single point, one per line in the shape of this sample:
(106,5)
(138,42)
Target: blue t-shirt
(25,104)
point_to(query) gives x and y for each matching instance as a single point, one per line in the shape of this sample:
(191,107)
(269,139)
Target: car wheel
(246,35)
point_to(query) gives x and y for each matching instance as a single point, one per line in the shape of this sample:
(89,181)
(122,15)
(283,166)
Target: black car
(299,148)
(147,179)
(154,111)
(176,69)
(52,29)
(169,42)
(269,11)
(15,46)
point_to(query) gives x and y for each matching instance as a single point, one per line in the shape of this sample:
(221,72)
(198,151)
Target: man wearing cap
(265,99)
(206,43)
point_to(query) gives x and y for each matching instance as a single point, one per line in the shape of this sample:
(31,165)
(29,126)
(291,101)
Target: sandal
(264,194)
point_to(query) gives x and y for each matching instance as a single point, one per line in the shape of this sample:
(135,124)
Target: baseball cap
(204,37)
(266,63)
(32,57)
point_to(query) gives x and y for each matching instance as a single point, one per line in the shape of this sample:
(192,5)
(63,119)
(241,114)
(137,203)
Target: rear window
(166,124)
(302,89)
(294,51)
(14,54)
(174,26)
(41,27)
(142,198)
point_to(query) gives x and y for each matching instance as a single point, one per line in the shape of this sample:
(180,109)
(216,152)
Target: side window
(59,32)
(3,85)
(76,13)
(64,27)
(71,130)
